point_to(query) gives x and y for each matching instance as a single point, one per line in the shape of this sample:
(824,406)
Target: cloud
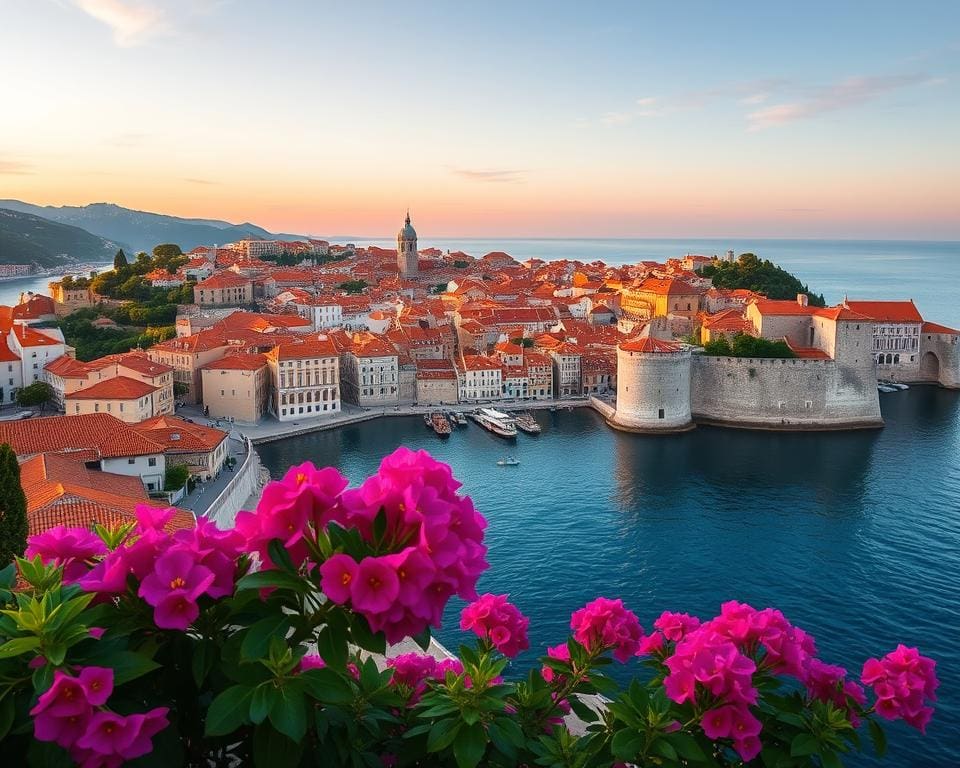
(128,139)
(851,92)
(491,176)
(200,181)
(132,22)
(15,168)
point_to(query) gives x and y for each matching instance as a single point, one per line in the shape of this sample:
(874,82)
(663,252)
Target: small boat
(526,423)
(427,420)
(440,424)
(885,388)
(901,387)
(461,419)
(508,461)
(496,421)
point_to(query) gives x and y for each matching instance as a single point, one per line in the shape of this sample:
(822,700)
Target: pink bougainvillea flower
(375,586)
(97,683)
(675,625)
(108,734)
(905,684)
(492,618)
(173,588)
(560,652)
(607,624)
(143,727)
(72,548)
(337,575)
(717,723)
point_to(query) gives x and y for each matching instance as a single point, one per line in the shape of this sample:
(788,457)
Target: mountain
(29,239)
(144,230)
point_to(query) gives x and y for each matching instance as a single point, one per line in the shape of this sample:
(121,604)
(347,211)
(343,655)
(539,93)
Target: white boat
(885,388)
(901,387)
(496,421)
(509,461)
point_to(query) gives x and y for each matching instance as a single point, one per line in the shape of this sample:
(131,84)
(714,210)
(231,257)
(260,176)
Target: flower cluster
(492,618)
(71,548)
(606,624)
(173,570)
(72,714)
(429,544)
(560,653)
(413,670)
(904,682)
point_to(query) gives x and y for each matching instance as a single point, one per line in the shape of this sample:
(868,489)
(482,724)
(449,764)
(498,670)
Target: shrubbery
(761,276)
(745,345)
(252,647)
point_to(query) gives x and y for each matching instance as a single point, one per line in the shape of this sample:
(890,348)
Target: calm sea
(855,536)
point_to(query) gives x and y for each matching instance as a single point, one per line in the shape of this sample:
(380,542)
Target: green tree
(38,393)
(745,345)
(167,251)
(13,508)
(120,260)
(353,286)
(762,276)
(175,477)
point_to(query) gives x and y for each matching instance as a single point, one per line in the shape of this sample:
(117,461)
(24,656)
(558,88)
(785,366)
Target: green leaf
(272,579)
(228,711)
(362,636)
(18,646)
(663,748)
(127,666)
(289,713)
(582,711)
(8,576)
(6,715)
(879,738)
(686,746)
(257,639)
(328,686)
(262,701)
(626,744)
(830,759)
(442,734)
(469,745)
(332,647)
(202,662)
(280,557)
(423,639)
(272,749)
(804,744)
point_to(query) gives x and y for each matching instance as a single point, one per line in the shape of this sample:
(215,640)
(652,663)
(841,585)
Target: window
(660,414)
(152,461)
(131,461)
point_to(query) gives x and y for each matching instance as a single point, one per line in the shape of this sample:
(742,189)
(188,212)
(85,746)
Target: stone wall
(783,394)
(223,509)
(653,391)
(940,359)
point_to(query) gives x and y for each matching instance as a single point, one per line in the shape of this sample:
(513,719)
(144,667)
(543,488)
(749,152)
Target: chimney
(802,299)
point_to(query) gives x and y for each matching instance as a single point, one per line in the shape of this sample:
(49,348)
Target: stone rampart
(783,394)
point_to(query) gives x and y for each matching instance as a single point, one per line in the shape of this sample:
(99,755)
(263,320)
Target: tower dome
(407,249)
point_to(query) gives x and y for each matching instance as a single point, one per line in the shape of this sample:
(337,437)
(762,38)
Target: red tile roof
(888,311)
(782,307)
(225,279)
(310,347)
(67,367)
(7,355)
(936,328)
(179,436)
(99,434)
(238,362)
(117,388)
(648,344)
(668,287)
(28,337)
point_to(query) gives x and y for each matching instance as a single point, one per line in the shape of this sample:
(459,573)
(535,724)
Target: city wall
(223,509)
(783,394)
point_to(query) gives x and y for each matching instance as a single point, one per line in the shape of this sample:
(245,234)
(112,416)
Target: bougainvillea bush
(264,645)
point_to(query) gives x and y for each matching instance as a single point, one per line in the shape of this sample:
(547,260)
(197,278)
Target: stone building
(236,387)
(407,254)
(305,378)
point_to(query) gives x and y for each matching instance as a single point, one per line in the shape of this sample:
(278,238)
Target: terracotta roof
(888,311)
(225,279)
(479,363)
(143,364)
(936,328)
(33,309)
(117,388)
(648,344)
(840,312)
(782,307)
(668,287)
(67,367)
(310,347)
(28,337)
(7,355)
(238,362)
(435,369)
(809,353)
(179,436)
(100,432)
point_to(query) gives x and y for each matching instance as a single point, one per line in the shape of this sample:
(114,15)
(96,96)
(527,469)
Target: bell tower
(407,249)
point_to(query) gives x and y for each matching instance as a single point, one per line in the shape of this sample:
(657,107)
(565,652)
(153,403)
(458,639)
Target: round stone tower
(407,249)
(653,386)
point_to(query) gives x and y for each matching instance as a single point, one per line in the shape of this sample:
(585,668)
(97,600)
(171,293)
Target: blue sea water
(855,536)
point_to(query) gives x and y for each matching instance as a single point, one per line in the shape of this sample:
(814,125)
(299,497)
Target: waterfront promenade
(269,430)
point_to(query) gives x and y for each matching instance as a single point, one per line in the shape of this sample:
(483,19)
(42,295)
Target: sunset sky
(686,119)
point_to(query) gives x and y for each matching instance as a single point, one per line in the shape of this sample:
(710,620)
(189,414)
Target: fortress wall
(783,394)
(653,391)
(945,349)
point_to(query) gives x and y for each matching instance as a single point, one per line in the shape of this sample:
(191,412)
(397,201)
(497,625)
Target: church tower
(407,249)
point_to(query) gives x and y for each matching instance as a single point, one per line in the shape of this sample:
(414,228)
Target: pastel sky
(661,119)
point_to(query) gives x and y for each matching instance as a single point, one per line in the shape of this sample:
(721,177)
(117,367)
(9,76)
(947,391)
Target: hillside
(141,229)
(29,239)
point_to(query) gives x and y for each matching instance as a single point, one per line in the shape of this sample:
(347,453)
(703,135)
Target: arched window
(896,359)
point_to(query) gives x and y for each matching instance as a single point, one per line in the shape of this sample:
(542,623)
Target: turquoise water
(855,536)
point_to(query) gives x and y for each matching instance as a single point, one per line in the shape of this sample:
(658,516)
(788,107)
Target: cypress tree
(120,260)
(13,508)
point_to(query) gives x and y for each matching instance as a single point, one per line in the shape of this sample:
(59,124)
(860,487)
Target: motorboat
(508,461)
(526,423)
(440,424)
(886,388)
(496,421)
